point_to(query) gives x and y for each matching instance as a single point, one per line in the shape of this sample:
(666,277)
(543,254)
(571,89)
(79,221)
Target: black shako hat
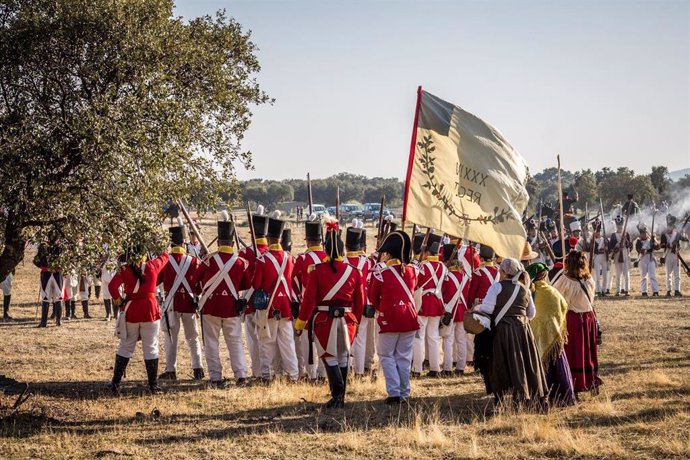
(260,225)
(417,243)
(226,230)
(363,239)
(398,245)
(286,240)
(433,245)
(313,231)
(352,238)
(448,251)
(486,252)
(275,228)
(176,235)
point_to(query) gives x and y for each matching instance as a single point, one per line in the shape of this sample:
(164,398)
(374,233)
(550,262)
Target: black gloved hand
(241,305)
(447,318)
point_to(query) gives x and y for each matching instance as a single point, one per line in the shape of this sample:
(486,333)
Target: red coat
(142,306)
(351,295)
(182,300)
(432,305)
(397,312)
(480,283)
(301,268)
(248,255)
(449,290)
(221,302)
(363,264)
(265,277)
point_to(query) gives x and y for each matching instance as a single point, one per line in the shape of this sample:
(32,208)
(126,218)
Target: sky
(602,83)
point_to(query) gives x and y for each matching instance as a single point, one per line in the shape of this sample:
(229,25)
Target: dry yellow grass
(643,410)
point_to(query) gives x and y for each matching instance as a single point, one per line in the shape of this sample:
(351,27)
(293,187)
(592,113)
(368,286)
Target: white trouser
(429,336)
(148,332)
(312,371)
(647,267)
(84,292)
(282,339)
(6,285)
(622,272)
(72,286)
(253,343)
(232,333)
(364,346)
(51,290)
(106,276)
(601,272)
(342,353)
(455,348)
(672,265)
(191,334)
(395,356)
(469,338)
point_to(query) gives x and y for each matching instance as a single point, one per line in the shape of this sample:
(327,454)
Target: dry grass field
(643,410)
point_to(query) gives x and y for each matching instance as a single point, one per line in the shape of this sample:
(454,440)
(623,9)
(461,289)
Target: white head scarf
(513,269)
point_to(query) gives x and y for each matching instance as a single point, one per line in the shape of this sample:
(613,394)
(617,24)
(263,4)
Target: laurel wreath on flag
(444,195)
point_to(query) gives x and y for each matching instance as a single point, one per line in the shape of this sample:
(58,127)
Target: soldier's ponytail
(334,245)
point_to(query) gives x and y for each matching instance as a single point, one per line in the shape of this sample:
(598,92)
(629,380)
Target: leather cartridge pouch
(336,312)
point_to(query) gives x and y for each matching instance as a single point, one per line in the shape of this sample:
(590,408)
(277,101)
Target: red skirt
(581,350)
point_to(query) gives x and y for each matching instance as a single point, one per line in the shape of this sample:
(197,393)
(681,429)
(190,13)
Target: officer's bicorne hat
(392,226)
(275,228)
(398,245)
(671,220)
(486,252)
(363,239)
(286,240)
(176,235)
(352,238)
(433,245)
(417,243)
(260,225)
(226,230)
(448,251)
(619,220)
(313,231)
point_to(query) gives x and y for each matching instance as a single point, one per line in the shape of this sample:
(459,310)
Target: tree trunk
(13,252)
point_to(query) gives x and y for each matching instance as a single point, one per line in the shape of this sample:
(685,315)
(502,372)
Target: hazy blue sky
(601,83)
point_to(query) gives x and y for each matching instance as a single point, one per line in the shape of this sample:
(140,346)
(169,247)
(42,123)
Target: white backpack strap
(280,270)
(220,276)
(314,257)
(508,304)
(361,263)
(336,287)
(402,283)
(180,279)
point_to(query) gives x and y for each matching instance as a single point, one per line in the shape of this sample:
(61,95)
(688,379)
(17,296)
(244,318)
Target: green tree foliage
(615,187)
(109,108)
(586,185)
(660,179)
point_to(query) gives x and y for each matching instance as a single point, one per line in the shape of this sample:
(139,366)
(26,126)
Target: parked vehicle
(371,211)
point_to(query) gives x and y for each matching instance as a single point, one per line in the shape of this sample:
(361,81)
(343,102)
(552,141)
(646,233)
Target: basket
(471,325)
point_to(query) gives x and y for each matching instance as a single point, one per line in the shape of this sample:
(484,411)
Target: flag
(464,178)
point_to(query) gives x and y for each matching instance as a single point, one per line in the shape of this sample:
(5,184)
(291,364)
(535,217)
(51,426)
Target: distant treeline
(611,185)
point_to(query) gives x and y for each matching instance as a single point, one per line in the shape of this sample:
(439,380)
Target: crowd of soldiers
(328,311)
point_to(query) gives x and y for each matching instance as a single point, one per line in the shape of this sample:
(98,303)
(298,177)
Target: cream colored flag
(464,178)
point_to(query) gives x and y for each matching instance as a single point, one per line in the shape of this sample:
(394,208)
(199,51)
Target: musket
(337,204)
(380,231)
(592,243)
(192,225)
(237,238)
(425,243)
(651,242)
(676,242)
(454,253)
(251,231)
(549,249)
(560,206)
(603,229)
(624,233)
(309,198)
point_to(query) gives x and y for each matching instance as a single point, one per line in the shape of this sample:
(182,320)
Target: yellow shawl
(548,325)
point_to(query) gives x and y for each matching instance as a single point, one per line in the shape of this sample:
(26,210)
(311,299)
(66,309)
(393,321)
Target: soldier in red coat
(456,288)
(431,274)
(218,281)
(333,299)
(179,306)
(140,313)
(260,228)
(482,279)
(391,294)
(274,320)
(314,255)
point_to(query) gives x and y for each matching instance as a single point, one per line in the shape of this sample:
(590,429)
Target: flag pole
(560,206)
(410,161)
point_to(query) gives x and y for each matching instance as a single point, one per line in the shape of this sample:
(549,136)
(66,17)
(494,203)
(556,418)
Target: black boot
(73,308)
(199,374)
(85,309)
(45,306)
(343,372)
(6,308)
(152,373)
(52,314)
(116,311)
(107,303)
(335,381)
(120,367)
(98,291)
(89,292)
(57,308)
